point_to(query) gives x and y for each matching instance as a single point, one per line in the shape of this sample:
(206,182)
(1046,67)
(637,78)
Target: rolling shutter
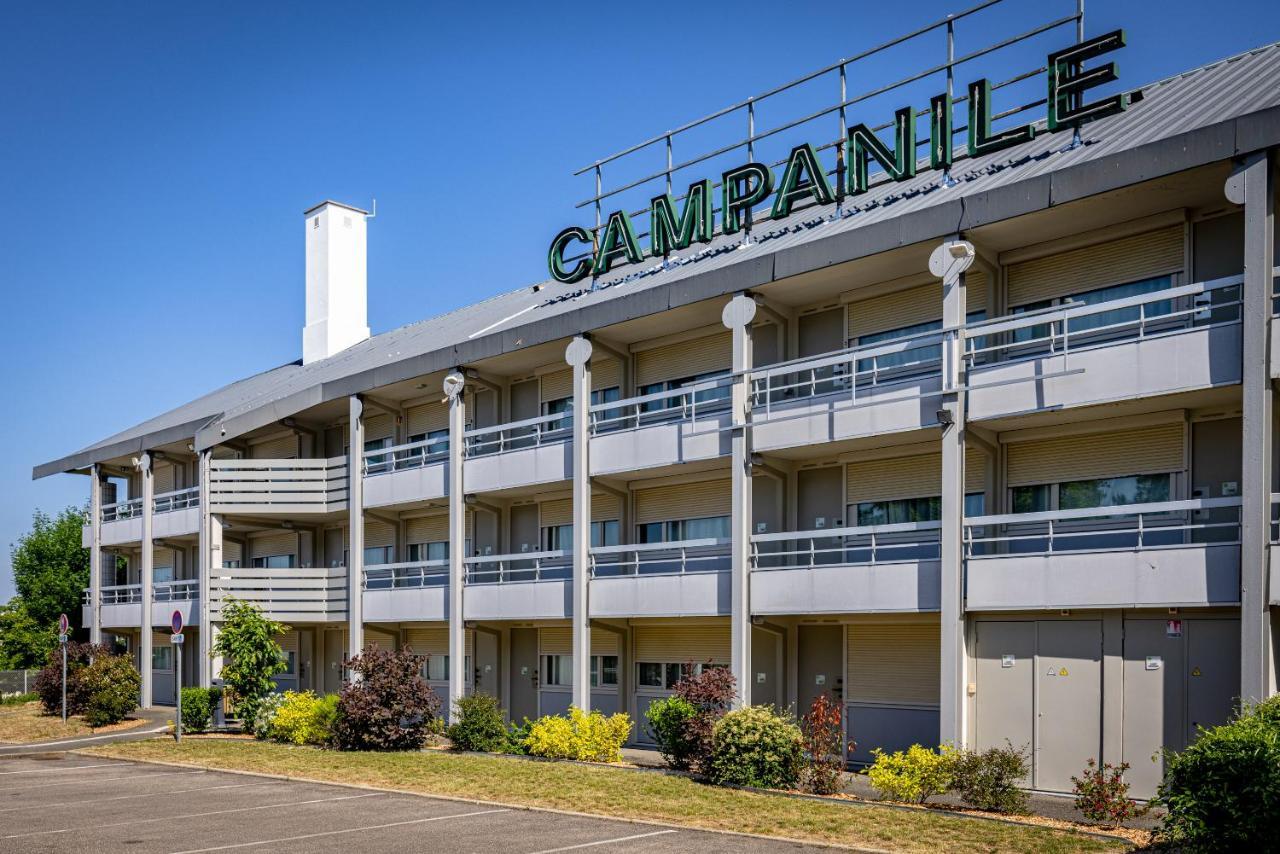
(378,534)
(603,642)
(379,427)
(288,642)
(1146,450)
(274,544)
(556,641)
(685,359)
(604,507)
(894,664)
(428,418)
(975,291)
(163,480)
(975,470)
(379,639)
(427,529)
(683,501)
(280,448)
(683,644)
(434,640)
(161,556)
(606,373)
(916,305)
(557,385)
(232,551)
(1138,257)
(918,476)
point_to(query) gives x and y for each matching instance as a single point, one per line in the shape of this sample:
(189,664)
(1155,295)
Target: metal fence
(17,681)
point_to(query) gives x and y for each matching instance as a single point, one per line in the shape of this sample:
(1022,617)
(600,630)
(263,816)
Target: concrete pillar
(737,316)
(454,385)
(146,572)
(205,563)
(209,630)
(95,554)
(578,354)
(949,262)
(1252,184)
(355,528)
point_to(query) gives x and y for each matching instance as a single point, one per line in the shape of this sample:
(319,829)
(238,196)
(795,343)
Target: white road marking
(604,842)
(100,780)
(135,821)
(70,768)
(29,807)
(360,829)
(38,747)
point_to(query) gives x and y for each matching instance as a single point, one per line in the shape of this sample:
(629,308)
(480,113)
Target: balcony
(689,578)
(868,569)
(415,471)
(1164,342)
(520,453)
(406,591)
(175,513)
(278,487)
(524,586)
(681,425)
(122,604)
(292,595)
(1164,554)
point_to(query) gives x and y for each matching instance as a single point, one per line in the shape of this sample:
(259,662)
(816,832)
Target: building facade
(987,459)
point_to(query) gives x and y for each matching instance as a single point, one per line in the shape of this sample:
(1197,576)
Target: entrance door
(1068,700)
(332,664)
(820,658)
(1213,672)
(1154,700)
(1004,708)
(306,666)
(766,676)
(524,674)
(486,664)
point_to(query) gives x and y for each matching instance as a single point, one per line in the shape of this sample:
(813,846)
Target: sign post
(64,626)
(176,639)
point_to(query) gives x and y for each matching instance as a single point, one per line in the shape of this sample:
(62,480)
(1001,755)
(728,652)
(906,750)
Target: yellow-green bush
(588,737)
(913,775)
(304,718)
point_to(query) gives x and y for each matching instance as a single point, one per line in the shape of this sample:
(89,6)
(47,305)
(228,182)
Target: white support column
(355,528)
(146,572)
(454,386)
(737,316)
(207,554)
(949,262)
(578,354)
(95,554)
(212,668)
(1252,184)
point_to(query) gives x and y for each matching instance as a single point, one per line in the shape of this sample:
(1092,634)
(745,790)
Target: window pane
(650,674)
(605,533)
(1124,315)
(674,673)
(162,656)
(975,504)
(1113,491)
(1031,499)
(162,573)
(650,533)
(609,667)
(376,555)
(715,526)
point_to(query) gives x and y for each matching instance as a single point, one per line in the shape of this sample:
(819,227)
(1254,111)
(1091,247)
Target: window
(716,527)
(290,663)
(604,670)
(913,509)
(231,564)
(1100,492)
(560,537)
(162,655)
(913,356)
(1103,319)
(557,670)
(162,573)
(436,668)
(375,555)
(377,445)
(665,674)
(437,444)
(273,562)
(421,552)
(705,396)
(559,406)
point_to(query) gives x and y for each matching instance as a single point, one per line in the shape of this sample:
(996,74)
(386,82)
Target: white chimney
(337,281)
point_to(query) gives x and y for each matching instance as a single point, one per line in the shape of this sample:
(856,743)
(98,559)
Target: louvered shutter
(922,304)
(232,551)
(975,291)
(557,385)
(428,418)
(280,448)
(381,426)
(603,642)
(555,641)
(605,507)
(163,480)
(683,501)
(681,644)
(284,543)
(1147,450)
(605,373)
(894,663)
(428,529)
(1129,259)
(378,534)
(918,476)
(554,513)
(685,359)
(434,640)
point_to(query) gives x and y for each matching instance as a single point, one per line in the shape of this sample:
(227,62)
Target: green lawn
(605,791)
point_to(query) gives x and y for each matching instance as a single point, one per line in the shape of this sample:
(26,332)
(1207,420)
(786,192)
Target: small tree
(389,707)
(480,725)
(823,745)
(711,693)
(756,746)
(251,656)
(111,685)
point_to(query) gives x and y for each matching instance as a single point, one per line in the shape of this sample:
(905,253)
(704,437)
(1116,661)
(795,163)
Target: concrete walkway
(156,721)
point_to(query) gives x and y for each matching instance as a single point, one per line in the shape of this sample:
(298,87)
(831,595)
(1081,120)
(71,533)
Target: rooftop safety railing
(525,566)
(699,400)
(710,554)
(120,510)
(858,545)
(411,574)
(529,433)
(1152,525)
(178,499)
(407,456)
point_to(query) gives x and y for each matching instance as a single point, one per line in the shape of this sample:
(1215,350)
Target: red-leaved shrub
(388,707)
(711,693)
(823,745)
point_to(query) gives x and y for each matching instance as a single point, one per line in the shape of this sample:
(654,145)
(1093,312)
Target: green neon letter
(743,188)
(899,164)
(802,177)
(619,240)
(1068,82)
(696,222)
(555,257)
(981,140)
(940,131)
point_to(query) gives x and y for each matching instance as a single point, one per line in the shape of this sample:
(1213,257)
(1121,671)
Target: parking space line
(136,821)
(69,768)
(165,792)
(360,829)
(99,780)
(605,842)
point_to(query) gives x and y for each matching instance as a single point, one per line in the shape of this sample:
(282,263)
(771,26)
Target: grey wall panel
(410,485)
(1155,681)
(888,728)
(765,648)
(1215,462)
(487,664)
(820,496)
(406,604)
(1068,711)
(695,594)
(820,332)
(896,408)
(523,529)
(523,600)
(835,589)
(524,467)
(820,664)
(1213,672)
(659,445)
(1004,672)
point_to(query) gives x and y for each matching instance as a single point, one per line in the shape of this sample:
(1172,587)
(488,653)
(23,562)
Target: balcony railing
(1163,524)
(410,455)
(178,499)
(690,403)
(185,590)
(300,593)
(396,576)
(710,554)
(863,545)
(516,435)
(120,510)
(525,566)
(279,486)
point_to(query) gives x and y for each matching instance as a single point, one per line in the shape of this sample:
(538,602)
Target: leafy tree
(50,567)
(24,642)
(251,656)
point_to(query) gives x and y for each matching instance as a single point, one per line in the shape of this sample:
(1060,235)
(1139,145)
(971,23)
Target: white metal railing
(297,593)
(686,403)
(282,486)
(529,433)
(710,554)
(184,590)
(407,456)
(117,594)
(861,545)
(525,566)
(1208,521)
(178,499)
(1075,325)
(120,510)
(395,576)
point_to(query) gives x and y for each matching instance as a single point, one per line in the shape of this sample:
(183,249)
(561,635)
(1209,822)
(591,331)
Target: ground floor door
(524,674)
(334,649)
(486,667)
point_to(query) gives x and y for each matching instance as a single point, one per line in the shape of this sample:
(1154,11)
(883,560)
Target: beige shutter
(975,470)
(232,551)
(379,427)
(887,312)
(428,529)
(428,640)
(428,418)
(605,373)
(1129,259)
(379,639)
(683,501)
(285,543)
(697,644)
(894,664)
(975,291)
(1146,450)
(918,476)
(603,642)
(555,641)
(161,556)
(163,479)
(378,533)
(557,385)
(280,448)
(288,642)
(685,359)
(557,512)
(605,507)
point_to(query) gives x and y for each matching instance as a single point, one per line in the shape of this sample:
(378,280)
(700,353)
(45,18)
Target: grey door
(1213,672)
(524,529)
(766,676)
(332,664)
(524,674)
(1004,673)
(1068,700)
(486,664)
(1154,701)
(306,667)
(525,400)
(820,498)
(820,662)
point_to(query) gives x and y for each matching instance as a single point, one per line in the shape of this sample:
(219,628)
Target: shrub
(1102,795)
(251,656)
(1223,791)
(480,725)
(518,738)
(303,718)
(988,780)
(265,716)
(18,698)
(823,745)
(388,707)
(48,682)
(670,720)
(711,693)
(198,705)
(756,746)
(110,686)
(913,775)
(587,737)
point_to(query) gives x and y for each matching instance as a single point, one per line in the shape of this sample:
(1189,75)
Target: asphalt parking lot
(62,803)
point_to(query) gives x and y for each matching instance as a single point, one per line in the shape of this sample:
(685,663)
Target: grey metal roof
(1201,116)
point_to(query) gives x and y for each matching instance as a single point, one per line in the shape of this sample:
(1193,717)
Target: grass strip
(26,722)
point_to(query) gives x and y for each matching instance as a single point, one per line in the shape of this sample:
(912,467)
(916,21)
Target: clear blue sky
(155,160)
